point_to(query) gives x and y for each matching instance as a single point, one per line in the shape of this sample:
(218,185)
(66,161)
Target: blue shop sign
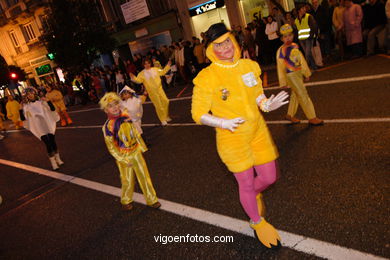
(205,7)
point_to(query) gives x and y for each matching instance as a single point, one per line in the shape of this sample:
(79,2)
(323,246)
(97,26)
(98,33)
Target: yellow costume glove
(266,233)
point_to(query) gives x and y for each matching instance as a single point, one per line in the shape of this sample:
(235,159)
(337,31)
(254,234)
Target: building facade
(21,25)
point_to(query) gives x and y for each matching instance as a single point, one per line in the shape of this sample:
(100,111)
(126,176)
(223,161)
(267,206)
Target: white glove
(229,124)
(272,103)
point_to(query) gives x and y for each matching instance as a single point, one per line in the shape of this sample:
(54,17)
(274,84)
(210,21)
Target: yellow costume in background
(152,82)
(57,99)
(229,90)
(126,145)
(2,117)
(292,67)
(13,107)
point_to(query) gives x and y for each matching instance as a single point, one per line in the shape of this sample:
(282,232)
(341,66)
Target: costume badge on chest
(249,79)
(225,93)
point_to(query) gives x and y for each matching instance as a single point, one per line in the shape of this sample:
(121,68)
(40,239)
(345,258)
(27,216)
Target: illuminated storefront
(205,13)
(254,9)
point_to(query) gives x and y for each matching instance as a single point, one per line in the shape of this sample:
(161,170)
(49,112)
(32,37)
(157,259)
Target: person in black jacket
(374,22)
(323,16)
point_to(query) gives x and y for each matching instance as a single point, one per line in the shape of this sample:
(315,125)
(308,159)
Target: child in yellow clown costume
(292,67)
(57,99)
(231,89)
(12,108)
(126,145)
(150,77)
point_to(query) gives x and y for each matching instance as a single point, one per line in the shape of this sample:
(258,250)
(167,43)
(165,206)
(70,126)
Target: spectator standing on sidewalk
(271,29)
(307,29)
(323,17)
(374,23)
(388,26)
(338,23)
(353,16)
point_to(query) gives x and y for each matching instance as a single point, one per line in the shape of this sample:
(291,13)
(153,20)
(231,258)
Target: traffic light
(13,75)
(50,56)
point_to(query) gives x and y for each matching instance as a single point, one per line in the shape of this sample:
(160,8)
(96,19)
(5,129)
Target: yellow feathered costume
(229,90)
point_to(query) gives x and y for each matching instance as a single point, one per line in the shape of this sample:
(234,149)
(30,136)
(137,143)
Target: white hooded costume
(133,106)
(40,120)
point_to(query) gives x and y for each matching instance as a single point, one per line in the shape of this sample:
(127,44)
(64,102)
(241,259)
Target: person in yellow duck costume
(292,67)
(150,77)
(12,108)
(125,144)
(2,117)
(231,89)
(57,99)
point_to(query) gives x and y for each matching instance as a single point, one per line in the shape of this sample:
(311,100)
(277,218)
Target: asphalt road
(333,186)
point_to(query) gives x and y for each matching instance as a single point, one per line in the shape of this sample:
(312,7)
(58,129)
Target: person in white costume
(39,117)
(132,105)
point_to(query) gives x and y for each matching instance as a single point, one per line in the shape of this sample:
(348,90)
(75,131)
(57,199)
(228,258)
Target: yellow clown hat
(286,29)
(109,98)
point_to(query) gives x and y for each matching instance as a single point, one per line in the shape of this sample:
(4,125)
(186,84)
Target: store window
(254,9)
(211,12)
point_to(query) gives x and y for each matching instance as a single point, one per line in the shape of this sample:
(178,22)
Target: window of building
(9,3)
(44,22)
(29,33)
(14,39)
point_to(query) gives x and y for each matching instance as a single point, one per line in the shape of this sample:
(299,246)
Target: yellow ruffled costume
(12,108)
(152,82)
(126,146)
(229,90)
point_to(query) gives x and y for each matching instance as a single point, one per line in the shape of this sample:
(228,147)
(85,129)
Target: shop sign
(44,69)
(205,7)
(134,10)
(141,32)
(143,45)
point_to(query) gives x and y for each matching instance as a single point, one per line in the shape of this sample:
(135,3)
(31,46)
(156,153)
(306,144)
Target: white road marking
(293,241)
(275,122)
(315,83)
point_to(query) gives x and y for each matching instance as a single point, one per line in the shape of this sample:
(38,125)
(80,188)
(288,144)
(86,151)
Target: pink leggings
(249,186)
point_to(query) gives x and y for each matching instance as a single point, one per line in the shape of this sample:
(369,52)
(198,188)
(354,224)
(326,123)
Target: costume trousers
(299,96)
(50,143)
(141,171)
(160,102)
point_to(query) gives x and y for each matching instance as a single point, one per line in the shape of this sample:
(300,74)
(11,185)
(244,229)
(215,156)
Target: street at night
(331,199)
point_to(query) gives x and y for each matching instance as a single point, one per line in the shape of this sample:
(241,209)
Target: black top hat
(215,31)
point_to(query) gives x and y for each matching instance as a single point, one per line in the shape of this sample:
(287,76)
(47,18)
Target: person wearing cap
(292,67)
(40,118)
(132,104)
(125,144)
(231,89)
(151,78)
